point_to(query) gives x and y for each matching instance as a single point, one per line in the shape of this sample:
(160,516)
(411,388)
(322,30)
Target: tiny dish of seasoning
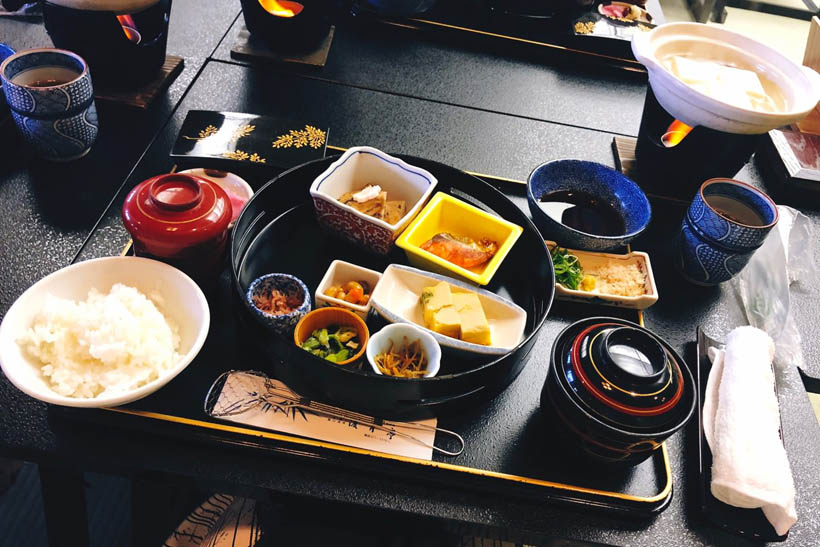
(278,301)
(405,351)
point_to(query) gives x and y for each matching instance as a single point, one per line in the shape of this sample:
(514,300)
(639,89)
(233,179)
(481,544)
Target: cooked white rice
(108,344)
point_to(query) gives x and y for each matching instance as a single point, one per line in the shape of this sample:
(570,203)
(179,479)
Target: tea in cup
(51,99)
(726,223)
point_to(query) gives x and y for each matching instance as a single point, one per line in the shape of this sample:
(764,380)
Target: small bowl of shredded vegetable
(402,350)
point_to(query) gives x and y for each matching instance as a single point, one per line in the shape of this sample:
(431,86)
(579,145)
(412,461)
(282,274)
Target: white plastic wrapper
(763,285)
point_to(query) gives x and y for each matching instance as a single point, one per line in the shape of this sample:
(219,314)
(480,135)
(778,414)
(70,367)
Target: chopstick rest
(741,418)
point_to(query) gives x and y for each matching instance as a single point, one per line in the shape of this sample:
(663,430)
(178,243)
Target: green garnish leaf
(334,343)
(339,356)
(310,343)
(568,270)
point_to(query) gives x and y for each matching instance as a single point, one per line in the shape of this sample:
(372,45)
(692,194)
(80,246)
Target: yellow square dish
(444,213)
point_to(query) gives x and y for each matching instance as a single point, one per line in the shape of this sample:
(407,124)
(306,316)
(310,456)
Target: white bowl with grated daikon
(177,297)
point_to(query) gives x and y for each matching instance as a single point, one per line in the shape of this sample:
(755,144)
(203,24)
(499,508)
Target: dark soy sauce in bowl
(584,212)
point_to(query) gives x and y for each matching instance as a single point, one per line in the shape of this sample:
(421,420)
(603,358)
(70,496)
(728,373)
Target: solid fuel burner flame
(129,27)
(282,8)
(675,133)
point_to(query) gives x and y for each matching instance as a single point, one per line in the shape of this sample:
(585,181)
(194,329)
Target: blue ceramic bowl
(605,184)
(726,223)
(283,324)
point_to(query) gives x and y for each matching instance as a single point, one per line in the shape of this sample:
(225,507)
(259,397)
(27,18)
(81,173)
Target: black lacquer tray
(512,448)
(750,523)
(278,232)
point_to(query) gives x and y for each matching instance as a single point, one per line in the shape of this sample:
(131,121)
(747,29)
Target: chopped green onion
(568,270)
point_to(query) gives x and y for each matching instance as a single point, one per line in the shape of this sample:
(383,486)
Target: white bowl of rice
(104,332)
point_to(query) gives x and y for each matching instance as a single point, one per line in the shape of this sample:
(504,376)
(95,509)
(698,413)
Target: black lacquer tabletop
(48,210)
(457,131)
(398,60)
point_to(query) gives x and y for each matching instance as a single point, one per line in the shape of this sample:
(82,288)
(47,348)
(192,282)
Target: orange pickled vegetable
(354,291)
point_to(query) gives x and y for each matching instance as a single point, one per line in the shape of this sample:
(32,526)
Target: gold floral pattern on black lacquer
(209,131)
(309,136)
(242,131)
(241,155)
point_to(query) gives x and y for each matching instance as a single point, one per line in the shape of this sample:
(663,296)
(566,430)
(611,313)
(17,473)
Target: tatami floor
(785,34)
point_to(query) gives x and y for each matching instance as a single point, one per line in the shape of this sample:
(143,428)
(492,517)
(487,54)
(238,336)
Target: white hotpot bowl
(800,85)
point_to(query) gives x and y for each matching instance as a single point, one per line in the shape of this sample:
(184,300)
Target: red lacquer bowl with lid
(182,220)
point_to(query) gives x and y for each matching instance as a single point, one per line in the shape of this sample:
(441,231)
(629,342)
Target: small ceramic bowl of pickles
(334,334)
(278,301)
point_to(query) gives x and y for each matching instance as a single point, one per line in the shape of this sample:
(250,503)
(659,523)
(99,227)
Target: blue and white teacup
(5,52)
(51,99)
(726,223)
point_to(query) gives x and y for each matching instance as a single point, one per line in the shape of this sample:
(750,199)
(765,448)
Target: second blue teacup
(726,223)
(52,102)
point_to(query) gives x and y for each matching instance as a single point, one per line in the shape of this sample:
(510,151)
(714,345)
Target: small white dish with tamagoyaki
(396,299)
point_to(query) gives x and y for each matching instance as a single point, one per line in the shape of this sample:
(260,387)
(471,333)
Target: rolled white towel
(741,420)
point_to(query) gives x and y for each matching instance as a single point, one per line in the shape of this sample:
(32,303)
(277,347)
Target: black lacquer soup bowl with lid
(617,389)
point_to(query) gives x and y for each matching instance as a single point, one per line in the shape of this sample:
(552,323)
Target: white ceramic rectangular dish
(397,300)
(591,260)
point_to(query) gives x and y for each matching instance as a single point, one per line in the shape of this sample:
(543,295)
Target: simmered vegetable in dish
(372,200)
(355,292)
(405,361)
(334,343)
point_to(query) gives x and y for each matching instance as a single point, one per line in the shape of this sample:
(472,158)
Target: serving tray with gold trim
(511,446)
(511,449)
